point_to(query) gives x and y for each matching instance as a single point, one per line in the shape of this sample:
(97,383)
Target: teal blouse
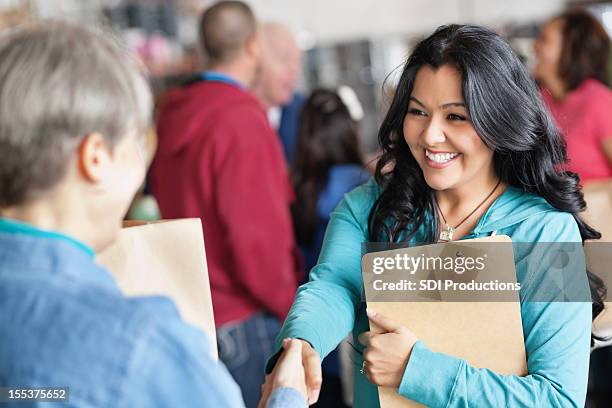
(557,334)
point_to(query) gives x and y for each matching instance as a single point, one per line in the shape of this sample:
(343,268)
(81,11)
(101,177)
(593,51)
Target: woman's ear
(93,157)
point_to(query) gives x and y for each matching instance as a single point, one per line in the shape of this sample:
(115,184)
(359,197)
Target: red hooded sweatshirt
(219,160)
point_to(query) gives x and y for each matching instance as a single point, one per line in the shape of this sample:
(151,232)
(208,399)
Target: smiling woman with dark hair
(469,151)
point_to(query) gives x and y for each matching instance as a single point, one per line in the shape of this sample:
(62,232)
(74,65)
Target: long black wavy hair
(506,111)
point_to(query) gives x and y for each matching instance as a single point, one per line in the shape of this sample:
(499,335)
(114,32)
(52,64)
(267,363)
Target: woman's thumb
(292,346)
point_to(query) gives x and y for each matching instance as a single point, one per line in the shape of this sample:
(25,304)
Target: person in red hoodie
(219,160)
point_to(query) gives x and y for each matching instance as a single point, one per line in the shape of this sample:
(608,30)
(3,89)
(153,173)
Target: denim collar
(27,251)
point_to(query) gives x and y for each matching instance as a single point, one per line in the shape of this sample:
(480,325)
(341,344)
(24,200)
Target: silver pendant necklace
(446,235)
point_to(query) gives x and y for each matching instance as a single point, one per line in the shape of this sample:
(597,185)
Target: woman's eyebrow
(453,104)
(444,106)
(412,98)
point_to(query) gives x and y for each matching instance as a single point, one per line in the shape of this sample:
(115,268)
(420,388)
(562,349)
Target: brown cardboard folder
(598,196)
(486,334)
(165,258)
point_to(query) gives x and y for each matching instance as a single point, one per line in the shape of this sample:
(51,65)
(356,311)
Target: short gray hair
(60,82)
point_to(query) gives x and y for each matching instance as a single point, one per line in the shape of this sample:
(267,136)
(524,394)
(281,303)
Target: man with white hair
(275,87)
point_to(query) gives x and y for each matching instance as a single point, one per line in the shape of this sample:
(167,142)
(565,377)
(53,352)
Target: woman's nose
(433,133)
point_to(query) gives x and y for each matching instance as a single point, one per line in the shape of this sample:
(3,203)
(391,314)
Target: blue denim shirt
(65,323)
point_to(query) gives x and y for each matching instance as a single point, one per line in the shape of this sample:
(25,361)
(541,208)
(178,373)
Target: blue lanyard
(220,77)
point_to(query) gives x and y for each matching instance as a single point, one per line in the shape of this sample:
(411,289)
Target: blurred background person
(277,82)
(328,164)
(572,53)
(219,160)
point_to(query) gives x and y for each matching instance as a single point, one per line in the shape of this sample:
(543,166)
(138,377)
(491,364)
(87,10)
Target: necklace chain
(451,229)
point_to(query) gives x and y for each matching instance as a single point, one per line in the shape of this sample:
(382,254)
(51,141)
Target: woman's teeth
(440,157)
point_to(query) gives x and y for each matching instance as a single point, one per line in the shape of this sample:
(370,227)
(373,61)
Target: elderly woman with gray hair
(74,109)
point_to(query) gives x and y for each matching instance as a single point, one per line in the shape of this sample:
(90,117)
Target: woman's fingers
(289,371)
(364,338)
(293,351)
(312,368)
(386,324)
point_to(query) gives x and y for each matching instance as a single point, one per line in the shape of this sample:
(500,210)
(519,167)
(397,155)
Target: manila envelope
(165,258)
(486,334)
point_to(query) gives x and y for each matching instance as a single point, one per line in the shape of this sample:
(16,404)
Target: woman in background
(572,54)
(328,164)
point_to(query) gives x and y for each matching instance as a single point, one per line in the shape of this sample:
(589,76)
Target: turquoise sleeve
(324,309)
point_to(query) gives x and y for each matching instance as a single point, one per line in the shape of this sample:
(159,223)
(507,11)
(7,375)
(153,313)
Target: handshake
(385,356)
(298,367)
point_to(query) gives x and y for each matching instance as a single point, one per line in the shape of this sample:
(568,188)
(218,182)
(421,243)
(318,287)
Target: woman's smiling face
(439,132)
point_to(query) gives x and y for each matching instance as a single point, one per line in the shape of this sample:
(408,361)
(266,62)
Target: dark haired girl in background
(473,153)
(573,52)
(328,164)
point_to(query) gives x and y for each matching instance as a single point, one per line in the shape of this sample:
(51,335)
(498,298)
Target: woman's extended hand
(289,372)
(386,354)
(299,366)
(312,368)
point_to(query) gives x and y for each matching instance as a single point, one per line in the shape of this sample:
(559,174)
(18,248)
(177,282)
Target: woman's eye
(454,116)
(416,112)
